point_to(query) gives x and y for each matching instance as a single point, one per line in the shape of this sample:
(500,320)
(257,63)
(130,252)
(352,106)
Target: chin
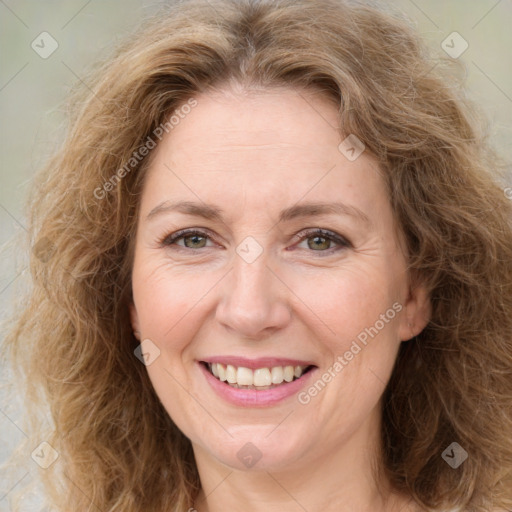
(258,447)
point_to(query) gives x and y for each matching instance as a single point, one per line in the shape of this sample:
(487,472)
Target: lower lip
(253,397)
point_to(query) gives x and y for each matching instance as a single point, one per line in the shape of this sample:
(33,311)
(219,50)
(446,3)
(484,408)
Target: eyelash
(342,242)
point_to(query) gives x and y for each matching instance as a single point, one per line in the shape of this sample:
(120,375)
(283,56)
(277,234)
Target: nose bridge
(253,300)
(251,281)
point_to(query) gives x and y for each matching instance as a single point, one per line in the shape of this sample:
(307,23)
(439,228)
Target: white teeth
(244,376)
(289,373)
(277,375)
(231,374)
(261,378)
(220,370)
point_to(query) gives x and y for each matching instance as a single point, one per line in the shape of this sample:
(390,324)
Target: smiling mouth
(260,379)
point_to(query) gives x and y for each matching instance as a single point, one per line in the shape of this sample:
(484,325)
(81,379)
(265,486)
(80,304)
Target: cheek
(170,306)
(345,301)
(360,313)
(168,301)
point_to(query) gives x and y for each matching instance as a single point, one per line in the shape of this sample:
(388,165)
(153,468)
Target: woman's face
(256,287)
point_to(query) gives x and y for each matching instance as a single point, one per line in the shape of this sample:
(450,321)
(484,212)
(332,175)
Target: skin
(254,154)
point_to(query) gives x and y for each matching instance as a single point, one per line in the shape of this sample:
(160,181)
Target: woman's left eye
(317,240)
(321,240)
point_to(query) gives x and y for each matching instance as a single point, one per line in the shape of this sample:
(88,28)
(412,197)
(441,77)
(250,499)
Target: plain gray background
(32,90)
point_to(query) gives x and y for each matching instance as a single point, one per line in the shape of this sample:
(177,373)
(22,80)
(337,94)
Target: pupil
(194,241)
(323,244)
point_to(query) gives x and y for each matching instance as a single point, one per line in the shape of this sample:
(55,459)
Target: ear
(134,318)
(417,312)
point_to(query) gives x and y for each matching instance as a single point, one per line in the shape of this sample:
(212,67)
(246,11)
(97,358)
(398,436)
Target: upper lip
(260,362)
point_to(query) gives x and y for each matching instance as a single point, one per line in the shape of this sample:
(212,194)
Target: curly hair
(119,449)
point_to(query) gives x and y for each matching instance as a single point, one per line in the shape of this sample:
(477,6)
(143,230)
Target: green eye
(317,242)
(194,241)
(322,241)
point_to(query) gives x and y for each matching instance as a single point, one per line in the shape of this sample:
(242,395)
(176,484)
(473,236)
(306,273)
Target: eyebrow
(214,213)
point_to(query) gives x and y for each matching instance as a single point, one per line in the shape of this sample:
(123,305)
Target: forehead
(259,121)
(260,149)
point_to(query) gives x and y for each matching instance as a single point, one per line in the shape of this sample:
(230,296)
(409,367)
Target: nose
(254,301)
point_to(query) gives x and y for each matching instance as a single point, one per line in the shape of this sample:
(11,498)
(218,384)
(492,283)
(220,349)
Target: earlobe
(134,318)
(417,313)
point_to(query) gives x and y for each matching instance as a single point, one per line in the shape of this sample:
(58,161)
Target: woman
(272,271)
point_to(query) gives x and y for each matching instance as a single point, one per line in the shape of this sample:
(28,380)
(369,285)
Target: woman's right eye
(192,239)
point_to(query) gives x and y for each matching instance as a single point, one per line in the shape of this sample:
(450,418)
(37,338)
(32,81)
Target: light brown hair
(119,450)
